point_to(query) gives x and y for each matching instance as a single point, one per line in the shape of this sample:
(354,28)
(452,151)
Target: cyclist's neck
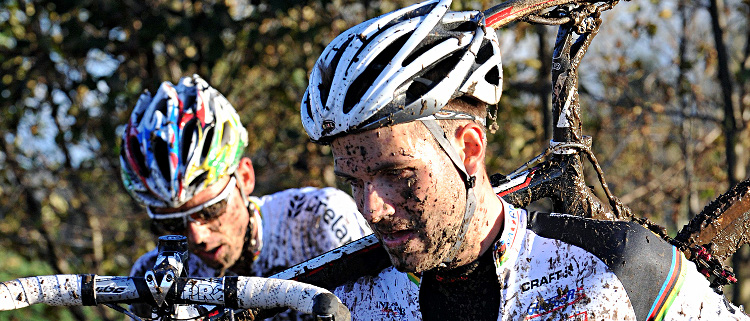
(487,223)
(253,243)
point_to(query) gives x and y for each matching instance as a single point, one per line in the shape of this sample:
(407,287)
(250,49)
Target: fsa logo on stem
(110,289)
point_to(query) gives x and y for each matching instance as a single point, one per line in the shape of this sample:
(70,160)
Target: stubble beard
(431,254)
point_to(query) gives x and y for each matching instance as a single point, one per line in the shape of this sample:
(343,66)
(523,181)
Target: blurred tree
(71,71)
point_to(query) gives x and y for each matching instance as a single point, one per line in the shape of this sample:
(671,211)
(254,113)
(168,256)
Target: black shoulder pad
(639,258)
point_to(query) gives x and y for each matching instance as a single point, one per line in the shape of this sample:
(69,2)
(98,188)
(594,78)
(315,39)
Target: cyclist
(182,159)
(402,101)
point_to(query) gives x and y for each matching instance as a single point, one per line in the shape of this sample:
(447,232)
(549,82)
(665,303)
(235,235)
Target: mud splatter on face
(220,242)
(401,186)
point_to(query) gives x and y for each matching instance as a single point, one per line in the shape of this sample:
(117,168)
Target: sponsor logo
(390,309)
(548,305)
(114,289)
(206,291)
(580,316)
(334,221)
(552,276)
(339,230)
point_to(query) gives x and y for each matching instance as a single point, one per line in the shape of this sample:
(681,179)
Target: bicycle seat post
(566,58)
(568,143)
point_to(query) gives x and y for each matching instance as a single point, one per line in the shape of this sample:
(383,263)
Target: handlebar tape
(264,293)
(57,290)
(235,292)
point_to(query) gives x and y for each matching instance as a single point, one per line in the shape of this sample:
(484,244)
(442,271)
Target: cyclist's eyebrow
(382,166)
(341,174)
(388,165)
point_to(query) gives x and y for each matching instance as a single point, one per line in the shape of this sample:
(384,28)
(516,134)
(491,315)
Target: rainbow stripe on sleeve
(670,288)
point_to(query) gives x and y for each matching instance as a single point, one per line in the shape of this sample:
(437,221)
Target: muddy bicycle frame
(561,177)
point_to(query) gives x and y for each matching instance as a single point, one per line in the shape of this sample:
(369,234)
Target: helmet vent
(162,161)
(363,82)
(461,26)
(207,143)
(198,179)
(309,105)
(187,144)
(432,76)
(485,52)
(327,72)
(426,45)
(161,106)
(226,137)
(493,76)
(140,161)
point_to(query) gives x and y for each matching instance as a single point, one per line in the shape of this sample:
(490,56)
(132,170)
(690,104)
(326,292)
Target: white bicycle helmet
(399,67)
(405,66)
(178,142)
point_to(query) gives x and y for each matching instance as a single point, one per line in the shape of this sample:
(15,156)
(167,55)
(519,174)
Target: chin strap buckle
(470,182)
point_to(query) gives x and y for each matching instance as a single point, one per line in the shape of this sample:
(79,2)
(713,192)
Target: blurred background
(665,92)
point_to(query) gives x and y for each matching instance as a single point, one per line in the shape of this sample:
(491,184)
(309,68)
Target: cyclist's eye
(170,225)
(399,173)
(211,212)
(351,181)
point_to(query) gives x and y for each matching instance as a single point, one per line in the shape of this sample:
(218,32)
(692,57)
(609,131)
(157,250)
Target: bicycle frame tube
(561,177)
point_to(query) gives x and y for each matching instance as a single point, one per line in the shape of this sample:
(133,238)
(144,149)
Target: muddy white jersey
(297,224)
(390,295)
(566,267)
(563,267)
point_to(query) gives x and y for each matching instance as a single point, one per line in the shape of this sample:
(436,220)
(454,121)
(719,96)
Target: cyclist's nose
(197,233)
(375,207)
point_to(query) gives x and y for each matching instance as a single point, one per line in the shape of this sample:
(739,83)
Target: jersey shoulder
(646,265)
(301,223)
(294,202)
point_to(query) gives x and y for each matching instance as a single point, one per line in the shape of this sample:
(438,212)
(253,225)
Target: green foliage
(71,71)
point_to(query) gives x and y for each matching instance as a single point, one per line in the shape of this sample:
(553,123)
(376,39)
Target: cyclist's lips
(212,254)
(393,239)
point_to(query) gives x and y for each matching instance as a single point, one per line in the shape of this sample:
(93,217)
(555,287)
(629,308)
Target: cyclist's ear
(245,174)
(471,145)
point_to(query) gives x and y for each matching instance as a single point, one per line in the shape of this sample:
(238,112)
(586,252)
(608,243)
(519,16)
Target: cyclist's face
(406,188)
(219,241)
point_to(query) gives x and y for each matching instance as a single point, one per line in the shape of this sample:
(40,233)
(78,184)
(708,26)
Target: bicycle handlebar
(233,292)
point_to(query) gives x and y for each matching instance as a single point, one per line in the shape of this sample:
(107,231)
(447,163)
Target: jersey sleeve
(660,282)
(299,224)
(695,300)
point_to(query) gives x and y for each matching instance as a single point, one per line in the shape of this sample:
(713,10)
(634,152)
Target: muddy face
(218,242)
(407,189)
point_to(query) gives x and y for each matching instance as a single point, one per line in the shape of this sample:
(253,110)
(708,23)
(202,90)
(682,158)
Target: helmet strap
(254,234)
(469,182)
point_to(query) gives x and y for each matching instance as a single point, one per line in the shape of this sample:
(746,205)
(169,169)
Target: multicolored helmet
(399,67)
(178,142)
